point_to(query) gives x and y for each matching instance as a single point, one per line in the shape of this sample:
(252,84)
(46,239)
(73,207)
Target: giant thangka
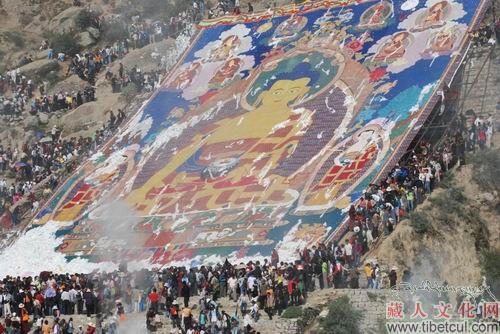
(266,130)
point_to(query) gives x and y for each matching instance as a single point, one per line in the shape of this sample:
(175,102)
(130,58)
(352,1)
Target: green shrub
(113,31)
(52,77)
(381,328)
(342,318)
(15,38)
(420,222)
(485,165)
(490,266)
(479,228)
(67,43)
(447,181)
(85,18)
(372,296)
(292,312)
(10,174)
(129,92)
(155,9)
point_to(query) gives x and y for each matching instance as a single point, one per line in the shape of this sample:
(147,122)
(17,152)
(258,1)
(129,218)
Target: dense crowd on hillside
(411,181)
(55,155)
(46,160)
(19,94)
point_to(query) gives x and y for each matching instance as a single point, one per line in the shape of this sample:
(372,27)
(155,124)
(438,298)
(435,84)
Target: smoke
(428,286)
(133,325)
(116,222)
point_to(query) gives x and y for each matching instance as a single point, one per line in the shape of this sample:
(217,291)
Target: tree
(67,43)
(342,318)
(86,18)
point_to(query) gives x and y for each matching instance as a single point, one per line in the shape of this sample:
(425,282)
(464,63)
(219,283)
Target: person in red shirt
(90,328)
(154,298)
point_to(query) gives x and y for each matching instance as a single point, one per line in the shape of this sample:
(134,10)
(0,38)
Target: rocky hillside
(453,232)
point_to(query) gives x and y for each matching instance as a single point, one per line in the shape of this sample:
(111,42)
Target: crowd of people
(139,33)
(21,90)
(486,35)
(48,160)
(143,81)
(23,95)
(255,289)
(480,132)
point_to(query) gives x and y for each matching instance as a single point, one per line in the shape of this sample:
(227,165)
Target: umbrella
(47,139)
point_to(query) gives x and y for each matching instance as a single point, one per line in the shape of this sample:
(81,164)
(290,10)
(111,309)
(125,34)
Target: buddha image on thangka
(394,48)
(434,17)
(185,78)
(442,42)
(289,30)
(333,170)
(228,47)
(265,124)
(215,66)
(376,16)
(242,152)
(226,74)
(329,32)
(238,159)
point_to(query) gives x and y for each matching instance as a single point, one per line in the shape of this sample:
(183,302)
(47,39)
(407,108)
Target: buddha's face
(231,66)
(438,7)
(398,38)
(230,42)
(284,92)
(442,36)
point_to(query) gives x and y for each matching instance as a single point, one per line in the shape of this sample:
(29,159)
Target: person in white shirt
(72,300)
(348,251)
(254,311)
(248,321)
(232,282)
(65,302)
(251,283)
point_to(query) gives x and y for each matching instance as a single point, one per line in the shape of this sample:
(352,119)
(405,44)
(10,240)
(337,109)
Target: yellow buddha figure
(231,163)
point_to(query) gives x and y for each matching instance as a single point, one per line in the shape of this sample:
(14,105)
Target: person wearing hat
(90,328)
(55,312)
(15,323)
(25,318)
(80,330)
(174,314)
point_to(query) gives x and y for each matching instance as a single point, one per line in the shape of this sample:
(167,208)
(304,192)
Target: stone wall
(481,78)
(372,304)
